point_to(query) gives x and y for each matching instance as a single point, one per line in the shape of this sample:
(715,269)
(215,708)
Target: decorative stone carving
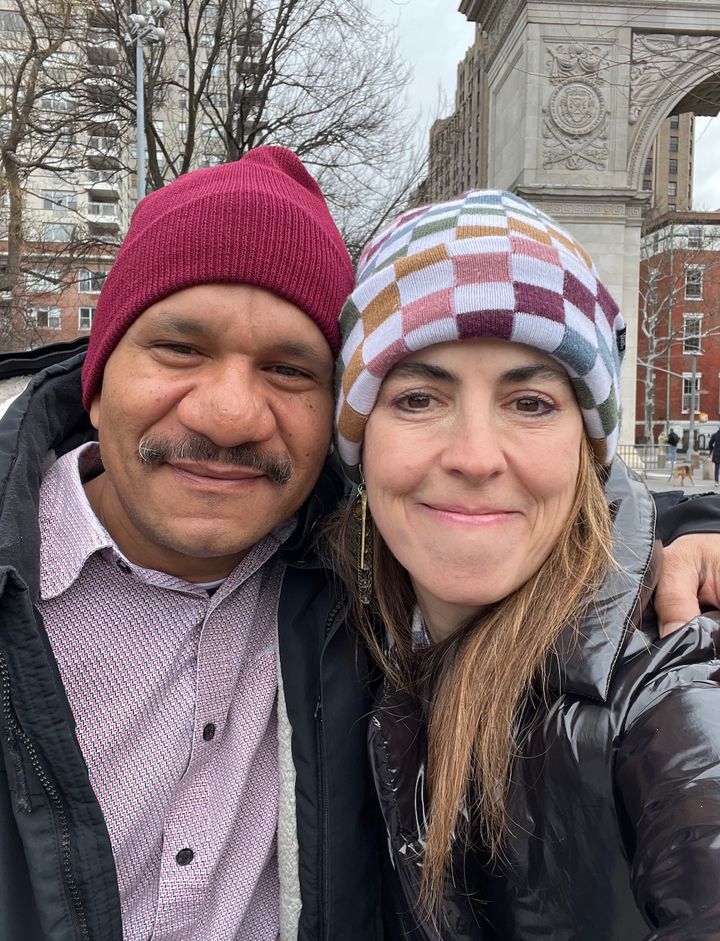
(577,108)
(575,120)
(590,210)
(661,57)
(499,18)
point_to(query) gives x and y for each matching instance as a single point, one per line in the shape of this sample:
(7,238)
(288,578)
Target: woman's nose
(475,446)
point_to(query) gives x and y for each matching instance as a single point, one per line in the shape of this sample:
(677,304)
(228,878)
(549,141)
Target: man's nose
(230,405)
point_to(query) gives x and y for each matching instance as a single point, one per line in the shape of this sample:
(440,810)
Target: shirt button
(209,732)
(184,857)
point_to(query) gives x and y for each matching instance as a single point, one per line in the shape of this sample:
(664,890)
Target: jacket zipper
(15,734)
(324,812)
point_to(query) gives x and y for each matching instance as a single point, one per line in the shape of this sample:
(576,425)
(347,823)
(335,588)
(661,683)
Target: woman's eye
(534,405)
(414,401)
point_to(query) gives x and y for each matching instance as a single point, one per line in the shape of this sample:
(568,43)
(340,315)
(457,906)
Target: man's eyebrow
(296,349)
(179,323)
(536,371)
(420,370)
(191,327)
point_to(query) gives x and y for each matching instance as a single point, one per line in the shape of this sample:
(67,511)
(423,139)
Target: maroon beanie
(261,220)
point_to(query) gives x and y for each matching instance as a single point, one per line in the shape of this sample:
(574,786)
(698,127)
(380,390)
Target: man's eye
(179,349)
(291,372)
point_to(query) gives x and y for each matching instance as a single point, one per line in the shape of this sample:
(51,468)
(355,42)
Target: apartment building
(77,198)
(679,326)
(456,159)
(668,172)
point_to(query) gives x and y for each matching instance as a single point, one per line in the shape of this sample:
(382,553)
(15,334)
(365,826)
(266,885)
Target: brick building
(679,325)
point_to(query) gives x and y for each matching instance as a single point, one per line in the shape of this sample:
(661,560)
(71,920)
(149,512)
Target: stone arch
(669,74)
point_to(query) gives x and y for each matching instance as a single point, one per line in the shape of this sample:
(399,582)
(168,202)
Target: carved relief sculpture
(575,120)
(661,58)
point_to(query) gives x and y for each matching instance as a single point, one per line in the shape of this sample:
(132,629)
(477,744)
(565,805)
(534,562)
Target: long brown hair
(483,674)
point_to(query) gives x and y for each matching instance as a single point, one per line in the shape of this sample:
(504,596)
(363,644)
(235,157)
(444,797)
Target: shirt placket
(189,850)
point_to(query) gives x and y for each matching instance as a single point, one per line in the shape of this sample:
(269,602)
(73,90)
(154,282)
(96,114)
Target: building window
(674,121)
(91,282)
(647,186)
(692,333)
(106,210)
(49,318)
(672,166)
(674,145)
(57,101)
(694,236)
(58,200)
(11,22)
(85,317)
(694,283)
(648,166)
(58,232)
(672,207)
(672,188)
(43,283)
(687,390)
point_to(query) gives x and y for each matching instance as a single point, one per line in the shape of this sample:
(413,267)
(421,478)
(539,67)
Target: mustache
(153,451)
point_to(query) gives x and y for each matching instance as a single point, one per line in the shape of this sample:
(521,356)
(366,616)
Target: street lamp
(143,29)
(691,422)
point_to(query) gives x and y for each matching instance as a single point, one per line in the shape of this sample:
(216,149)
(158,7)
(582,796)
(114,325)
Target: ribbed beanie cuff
(261,220)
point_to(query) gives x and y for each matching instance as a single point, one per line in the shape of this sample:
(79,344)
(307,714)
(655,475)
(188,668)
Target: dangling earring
(364,547)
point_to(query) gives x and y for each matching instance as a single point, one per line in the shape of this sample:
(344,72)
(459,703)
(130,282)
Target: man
(151,784)
(672,442)
(143,757)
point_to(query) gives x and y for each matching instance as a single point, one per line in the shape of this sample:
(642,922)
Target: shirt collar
(69,530)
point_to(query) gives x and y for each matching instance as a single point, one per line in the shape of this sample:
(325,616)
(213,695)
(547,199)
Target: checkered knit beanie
(260,220)
(485,264)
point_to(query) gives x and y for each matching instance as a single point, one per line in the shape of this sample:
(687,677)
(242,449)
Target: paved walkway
(658,480)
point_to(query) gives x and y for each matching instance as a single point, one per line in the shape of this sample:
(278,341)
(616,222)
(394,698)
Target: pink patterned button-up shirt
(174,693)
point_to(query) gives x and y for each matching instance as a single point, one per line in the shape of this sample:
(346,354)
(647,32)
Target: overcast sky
(433,37)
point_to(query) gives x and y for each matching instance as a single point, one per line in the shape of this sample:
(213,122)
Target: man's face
(214,421)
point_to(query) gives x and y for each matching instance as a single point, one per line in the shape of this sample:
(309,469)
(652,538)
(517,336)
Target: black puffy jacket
(614,804)
(57,875)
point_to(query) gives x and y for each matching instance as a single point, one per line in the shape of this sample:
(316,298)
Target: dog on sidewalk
(684,471)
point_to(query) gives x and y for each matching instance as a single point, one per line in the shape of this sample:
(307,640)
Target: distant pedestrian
(714,451)
(672,442)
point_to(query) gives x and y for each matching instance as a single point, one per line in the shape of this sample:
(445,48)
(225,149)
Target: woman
(503,549)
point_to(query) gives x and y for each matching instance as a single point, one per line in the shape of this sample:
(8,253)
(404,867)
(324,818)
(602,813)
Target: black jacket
(57,876)
(614,804)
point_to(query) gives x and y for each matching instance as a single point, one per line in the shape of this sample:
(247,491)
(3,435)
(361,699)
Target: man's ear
(94,411)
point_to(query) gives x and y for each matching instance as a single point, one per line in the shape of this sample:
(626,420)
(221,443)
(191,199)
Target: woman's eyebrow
(536,371)
(418,370)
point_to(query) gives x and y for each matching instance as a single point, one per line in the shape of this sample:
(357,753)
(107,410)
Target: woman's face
(471,458)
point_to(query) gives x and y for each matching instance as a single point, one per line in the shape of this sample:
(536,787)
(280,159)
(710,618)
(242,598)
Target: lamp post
(691,421)
(143,29)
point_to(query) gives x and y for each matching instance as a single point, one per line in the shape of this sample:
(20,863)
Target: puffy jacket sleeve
(667,775)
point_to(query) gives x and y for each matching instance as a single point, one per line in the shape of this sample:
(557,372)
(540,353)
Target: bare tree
(321,77)
(49,111)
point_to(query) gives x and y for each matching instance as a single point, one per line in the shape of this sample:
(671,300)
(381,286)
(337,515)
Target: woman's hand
(690,576)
